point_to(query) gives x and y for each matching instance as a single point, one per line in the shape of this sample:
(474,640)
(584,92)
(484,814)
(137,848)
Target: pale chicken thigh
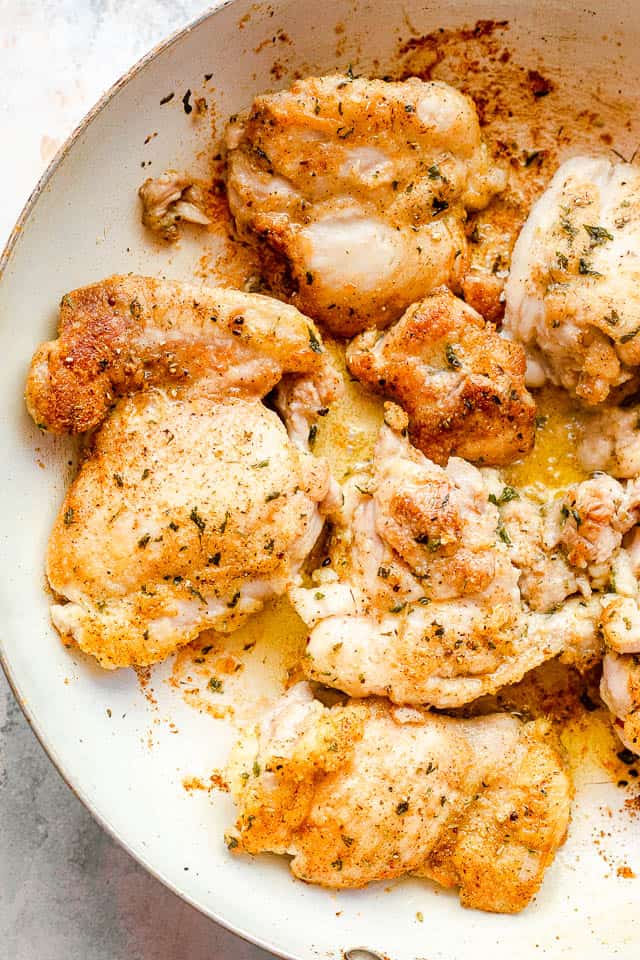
(461,384)
(421,601)
(192,505)
(572,297)
(367,792)
(444,584)
(362,186)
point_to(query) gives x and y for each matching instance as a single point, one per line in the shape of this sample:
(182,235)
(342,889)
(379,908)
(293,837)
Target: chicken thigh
(192,505)
(461,384)
(367,792)
(421,601)
(444,584)
(362,186)
(572,295)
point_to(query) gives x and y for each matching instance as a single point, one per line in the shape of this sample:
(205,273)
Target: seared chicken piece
(363,187)
(169,199)
(572,296)
(461,384)
(367,792)
(128,333)
(187,514)
(192,505)
(421,600)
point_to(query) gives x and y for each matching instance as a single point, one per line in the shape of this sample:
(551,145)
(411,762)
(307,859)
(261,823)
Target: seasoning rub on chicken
(362,186)
(366,792)
(192,504)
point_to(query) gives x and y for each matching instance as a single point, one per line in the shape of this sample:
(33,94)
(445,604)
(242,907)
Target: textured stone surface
(67,891)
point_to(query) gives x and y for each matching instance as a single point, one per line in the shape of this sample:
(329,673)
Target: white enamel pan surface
(118,751)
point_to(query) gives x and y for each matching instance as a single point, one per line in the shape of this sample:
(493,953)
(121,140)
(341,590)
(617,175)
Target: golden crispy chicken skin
(194,503)
(368,792)
(363,187)
(461,384)
(129,333)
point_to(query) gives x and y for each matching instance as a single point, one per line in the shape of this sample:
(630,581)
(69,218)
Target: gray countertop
(67,891)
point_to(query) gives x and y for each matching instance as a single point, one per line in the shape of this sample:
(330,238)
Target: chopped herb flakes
(143,541)
(630,336)
(398,608)
(502,533)
(196,593)
(263,156)
(402,807)
(195,517)
(68,517)
(586,270)
(508,494)
(215,685)
(598,235)
(452,358)
(272,496)
(314,343)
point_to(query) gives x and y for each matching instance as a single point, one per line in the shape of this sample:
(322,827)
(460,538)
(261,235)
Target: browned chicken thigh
(461,384)
(369,791)
(362,186)
(192,505)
